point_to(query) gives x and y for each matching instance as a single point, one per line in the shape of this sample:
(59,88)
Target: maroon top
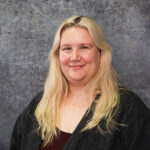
(58,143)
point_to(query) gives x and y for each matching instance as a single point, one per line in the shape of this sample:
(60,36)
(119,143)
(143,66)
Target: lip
(76,67)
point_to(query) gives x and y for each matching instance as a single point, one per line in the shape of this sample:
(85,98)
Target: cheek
(63,59)
(92,58)
(89,58)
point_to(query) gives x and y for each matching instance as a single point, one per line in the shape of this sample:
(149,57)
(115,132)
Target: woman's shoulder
(130,99)
(29,110)
(132,106)
(25,122)
(35,101)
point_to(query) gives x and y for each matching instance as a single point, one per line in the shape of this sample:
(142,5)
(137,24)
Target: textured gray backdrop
(27,28)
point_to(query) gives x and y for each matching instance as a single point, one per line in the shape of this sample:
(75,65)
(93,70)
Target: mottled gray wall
(27,28)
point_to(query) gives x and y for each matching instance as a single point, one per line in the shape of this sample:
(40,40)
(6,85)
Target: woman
(82,106)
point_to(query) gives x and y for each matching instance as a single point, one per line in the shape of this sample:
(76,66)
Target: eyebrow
(64,45)
(89,44)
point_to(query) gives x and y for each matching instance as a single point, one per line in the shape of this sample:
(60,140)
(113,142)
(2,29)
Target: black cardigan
(134,136)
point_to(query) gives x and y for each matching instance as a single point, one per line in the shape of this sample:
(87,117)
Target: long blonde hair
(56,86)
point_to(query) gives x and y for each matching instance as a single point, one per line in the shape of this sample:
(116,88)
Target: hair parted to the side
(56,85)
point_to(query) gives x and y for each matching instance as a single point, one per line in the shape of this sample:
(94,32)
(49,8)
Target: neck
(81,91)
(77,94)
(78,89)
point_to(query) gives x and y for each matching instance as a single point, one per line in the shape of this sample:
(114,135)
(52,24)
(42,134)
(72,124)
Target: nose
(75,55)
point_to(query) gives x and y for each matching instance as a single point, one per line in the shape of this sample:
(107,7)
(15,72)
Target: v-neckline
(80,125)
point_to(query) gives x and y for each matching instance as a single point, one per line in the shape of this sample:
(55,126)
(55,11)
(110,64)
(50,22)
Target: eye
(66,48)
(84,47)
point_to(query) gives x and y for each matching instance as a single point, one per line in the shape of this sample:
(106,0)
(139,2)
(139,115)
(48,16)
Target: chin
(75,78)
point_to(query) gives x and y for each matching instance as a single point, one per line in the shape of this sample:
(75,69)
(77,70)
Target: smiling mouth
(76,67)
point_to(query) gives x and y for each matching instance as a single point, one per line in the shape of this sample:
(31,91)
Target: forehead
(75,34)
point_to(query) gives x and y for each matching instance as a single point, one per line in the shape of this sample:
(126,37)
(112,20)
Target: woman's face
(78,55)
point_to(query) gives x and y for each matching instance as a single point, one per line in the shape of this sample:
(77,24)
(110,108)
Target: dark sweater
(134,136)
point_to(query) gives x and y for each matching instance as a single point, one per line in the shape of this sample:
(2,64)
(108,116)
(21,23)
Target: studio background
(27,29)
